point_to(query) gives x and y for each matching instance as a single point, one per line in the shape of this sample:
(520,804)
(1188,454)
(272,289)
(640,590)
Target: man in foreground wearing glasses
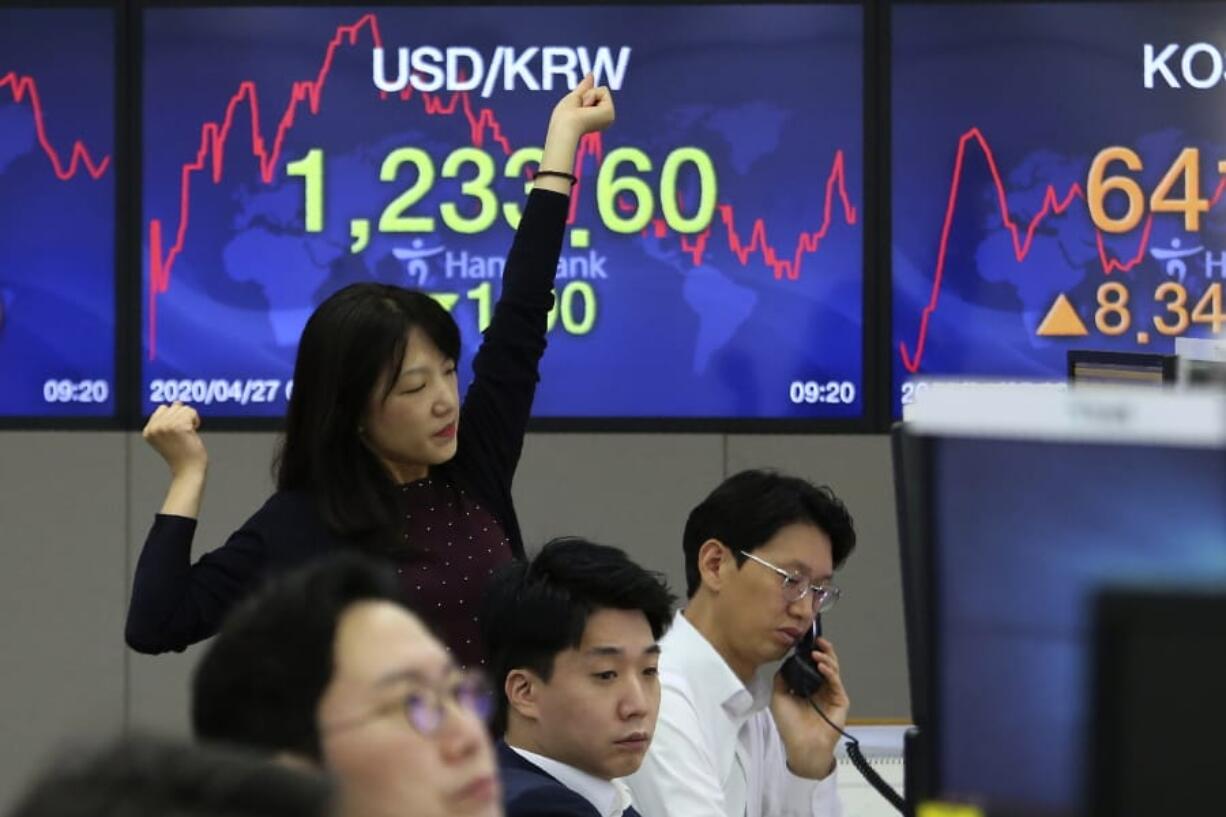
(327,666)
(760,552)
(573,640)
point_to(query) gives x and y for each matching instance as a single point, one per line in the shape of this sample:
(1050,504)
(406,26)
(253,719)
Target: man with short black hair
(573,638)
(760,553)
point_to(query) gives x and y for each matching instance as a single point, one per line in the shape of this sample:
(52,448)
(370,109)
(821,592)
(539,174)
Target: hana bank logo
(1176,258)
(415,258)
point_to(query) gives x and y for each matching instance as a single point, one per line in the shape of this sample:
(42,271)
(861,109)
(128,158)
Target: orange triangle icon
(1062,321)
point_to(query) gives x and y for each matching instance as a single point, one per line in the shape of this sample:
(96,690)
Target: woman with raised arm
(379,452)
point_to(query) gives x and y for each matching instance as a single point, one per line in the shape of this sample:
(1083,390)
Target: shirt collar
(688,651)
(609,797)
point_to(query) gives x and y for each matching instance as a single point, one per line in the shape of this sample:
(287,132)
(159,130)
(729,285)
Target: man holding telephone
(731,739)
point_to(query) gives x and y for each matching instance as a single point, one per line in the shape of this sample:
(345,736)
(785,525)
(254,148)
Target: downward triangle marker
(448,300)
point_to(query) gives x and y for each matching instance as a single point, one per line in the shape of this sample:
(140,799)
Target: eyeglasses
(795,586)
(425,706)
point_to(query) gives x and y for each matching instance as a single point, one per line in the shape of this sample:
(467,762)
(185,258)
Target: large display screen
(713,261)
(57,213)
(1056,180)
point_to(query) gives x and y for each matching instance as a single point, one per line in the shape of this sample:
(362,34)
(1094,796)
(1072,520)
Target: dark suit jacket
(527,791)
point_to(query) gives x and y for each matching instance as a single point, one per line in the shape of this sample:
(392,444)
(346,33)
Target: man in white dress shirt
(760,553)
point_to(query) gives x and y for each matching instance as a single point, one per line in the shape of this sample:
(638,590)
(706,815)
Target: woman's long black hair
(353,338)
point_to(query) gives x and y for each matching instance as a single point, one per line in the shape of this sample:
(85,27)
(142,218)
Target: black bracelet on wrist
(568,176)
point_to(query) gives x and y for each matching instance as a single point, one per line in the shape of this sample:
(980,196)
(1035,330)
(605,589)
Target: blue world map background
(1046,105)
(672,338)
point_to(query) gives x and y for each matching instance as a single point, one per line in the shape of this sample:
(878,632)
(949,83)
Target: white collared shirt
(609,797)
(716,751)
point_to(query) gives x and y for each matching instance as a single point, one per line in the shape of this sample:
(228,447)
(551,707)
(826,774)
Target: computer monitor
(1158,722)
(910,492)
(1034,499)
(910,498)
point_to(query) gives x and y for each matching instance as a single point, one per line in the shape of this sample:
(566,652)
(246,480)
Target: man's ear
(714,561)
(523,689)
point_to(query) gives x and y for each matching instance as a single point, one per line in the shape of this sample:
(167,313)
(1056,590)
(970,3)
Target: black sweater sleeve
(175,603)
(498,404)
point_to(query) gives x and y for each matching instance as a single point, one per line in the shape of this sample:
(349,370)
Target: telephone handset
(799,671)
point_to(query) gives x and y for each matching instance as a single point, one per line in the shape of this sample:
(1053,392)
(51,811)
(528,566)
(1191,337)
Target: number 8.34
(1181,312)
